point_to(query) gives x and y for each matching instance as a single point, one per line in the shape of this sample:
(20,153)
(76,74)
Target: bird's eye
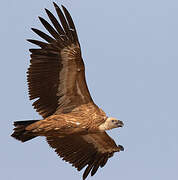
(112,120)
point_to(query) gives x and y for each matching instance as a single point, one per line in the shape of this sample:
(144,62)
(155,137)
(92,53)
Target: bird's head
(111,123)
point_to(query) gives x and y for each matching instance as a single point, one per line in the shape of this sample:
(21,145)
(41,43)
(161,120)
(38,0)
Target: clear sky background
(130,49)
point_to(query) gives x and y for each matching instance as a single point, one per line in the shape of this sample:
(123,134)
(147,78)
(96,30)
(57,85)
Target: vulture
(72,123)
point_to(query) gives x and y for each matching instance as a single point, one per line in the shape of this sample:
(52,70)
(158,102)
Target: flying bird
(72,123)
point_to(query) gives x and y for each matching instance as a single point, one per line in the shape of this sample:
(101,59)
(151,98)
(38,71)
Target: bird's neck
(104,126)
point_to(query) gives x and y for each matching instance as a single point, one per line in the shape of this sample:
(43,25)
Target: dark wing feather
(50,29)
(92,150)
(43,35)
(55,22)
(71,24)
(56,76)
(64,23)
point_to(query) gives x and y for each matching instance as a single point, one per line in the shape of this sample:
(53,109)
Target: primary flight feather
(72,123)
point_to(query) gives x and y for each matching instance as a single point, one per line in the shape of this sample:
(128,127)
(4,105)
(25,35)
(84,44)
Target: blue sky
(130,49)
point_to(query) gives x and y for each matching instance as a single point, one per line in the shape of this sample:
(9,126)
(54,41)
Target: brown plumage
(72,124)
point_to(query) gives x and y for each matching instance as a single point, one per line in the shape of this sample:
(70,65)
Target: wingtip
(121,148)
(40,18)
(29,40)
(55,5)
(63,7)
(33,29)
(46,10)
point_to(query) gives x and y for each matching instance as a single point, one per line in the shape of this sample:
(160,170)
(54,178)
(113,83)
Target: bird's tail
(20,133)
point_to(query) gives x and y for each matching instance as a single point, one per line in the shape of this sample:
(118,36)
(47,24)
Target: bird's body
(72,123)
(81,120)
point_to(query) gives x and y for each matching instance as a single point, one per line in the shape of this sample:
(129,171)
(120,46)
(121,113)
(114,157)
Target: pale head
(111,123)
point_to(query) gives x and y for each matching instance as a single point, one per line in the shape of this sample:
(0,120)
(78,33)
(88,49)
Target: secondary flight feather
(72,123)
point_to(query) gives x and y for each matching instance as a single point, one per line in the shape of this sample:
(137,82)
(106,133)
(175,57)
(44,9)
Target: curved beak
(120,123)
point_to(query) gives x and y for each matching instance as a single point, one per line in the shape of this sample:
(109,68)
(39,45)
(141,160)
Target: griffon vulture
(72,123)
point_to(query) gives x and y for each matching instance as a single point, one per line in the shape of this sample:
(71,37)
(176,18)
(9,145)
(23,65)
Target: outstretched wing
(56,76)
(92,150)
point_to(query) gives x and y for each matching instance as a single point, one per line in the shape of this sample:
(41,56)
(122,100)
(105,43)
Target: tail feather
(20,133)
